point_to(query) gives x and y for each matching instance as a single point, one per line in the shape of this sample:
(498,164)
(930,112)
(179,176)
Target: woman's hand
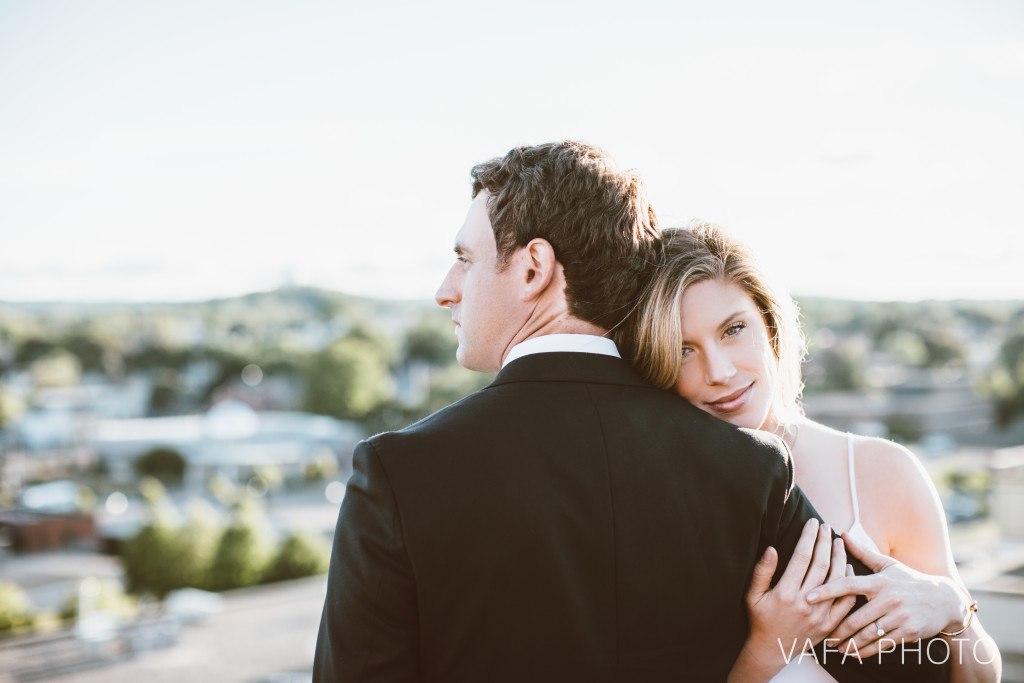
(904,605)
(782,620)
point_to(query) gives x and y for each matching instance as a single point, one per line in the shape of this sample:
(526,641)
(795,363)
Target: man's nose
(447,294)
(719,368)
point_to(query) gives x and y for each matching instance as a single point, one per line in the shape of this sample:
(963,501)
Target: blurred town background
(170,474)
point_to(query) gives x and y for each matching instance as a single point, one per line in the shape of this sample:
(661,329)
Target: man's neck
(565,324)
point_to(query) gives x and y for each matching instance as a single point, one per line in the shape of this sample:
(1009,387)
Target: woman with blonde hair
(711,327)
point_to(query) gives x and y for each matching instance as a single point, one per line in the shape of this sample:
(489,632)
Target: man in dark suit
(568,522)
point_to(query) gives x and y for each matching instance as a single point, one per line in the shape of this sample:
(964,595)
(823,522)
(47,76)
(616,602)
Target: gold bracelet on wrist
(971,609)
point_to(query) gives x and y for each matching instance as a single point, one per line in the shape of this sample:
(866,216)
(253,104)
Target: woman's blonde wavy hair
(652,337)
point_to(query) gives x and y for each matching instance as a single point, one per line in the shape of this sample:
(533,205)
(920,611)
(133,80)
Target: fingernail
(812,596)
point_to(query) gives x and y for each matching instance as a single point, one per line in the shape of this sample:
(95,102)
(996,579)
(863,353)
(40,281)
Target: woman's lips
(732,402)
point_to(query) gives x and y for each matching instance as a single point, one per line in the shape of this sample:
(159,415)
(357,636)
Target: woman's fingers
(874,561)
(882,643)
(841,607)
(868,640)
(857,622)
(848,585)
(820,560)
(801,560)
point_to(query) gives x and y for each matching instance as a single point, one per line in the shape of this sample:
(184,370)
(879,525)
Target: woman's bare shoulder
(891,462)
(899,495)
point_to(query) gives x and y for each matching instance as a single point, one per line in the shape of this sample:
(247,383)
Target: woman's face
(729,369)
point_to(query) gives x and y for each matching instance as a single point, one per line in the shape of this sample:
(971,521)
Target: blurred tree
(1005,380)
(453,384)
(10,406)
(431,341)
(153,357)
(166,464)
(347,380)
(58,369)
(110,596)
(838,368)
(301,554)
(904,429)
(15,607)
(152,560)
(943,348)
(200,535)
(907,346)
(244,551)
(88,350)
(230,366)
(163,399)
(32,349)
(322,466)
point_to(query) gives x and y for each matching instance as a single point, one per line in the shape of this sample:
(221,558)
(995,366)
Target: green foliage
(152,560)
(976,483)
(432,341)
(453,384)
(244,551)
(15,607)
(32,349)
(104,594)
(199,553)
(199,539)
(347,380)
(300,555)
(89,351)
(10,406)
(158,356)
(58,369)
(904,429)
(230,367)
(165,464)
(154,493)
(1005,381)
(323,466)
(839,368)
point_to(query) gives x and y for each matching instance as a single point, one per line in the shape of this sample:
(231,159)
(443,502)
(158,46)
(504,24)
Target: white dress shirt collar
(553,343)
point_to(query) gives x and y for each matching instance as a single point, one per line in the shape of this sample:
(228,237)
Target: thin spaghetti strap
(853,480)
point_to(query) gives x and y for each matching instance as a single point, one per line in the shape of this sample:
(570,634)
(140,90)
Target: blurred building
(1007,468)
(231,440)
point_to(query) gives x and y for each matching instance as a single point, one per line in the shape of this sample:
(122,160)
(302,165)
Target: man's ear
(538,267)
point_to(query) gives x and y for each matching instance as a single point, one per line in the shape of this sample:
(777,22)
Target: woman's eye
(687,351)
(734,329)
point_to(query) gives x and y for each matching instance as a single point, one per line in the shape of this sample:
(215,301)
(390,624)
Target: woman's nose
(719,368)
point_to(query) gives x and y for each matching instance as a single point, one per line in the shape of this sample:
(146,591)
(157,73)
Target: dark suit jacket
(567,523)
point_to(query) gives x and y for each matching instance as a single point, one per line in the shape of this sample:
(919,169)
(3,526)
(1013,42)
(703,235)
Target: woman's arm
(917,592)
(782,622)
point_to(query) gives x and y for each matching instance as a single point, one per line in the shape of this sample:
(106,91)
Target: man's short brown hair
(595,216)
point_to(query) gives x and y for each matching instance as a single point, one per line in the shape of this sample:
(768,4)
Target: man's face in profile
(482,300)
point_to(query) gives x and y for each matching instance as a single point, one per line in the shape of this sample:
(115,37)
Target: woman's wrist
(963,613)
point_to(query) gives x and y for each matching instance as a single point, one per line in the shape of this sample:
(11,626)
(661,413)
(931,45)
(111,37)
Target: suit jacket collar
(569,367)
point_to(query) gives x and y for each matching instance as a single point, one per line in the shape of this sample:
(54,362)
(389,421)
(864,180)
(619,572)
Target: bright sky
(190,149)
